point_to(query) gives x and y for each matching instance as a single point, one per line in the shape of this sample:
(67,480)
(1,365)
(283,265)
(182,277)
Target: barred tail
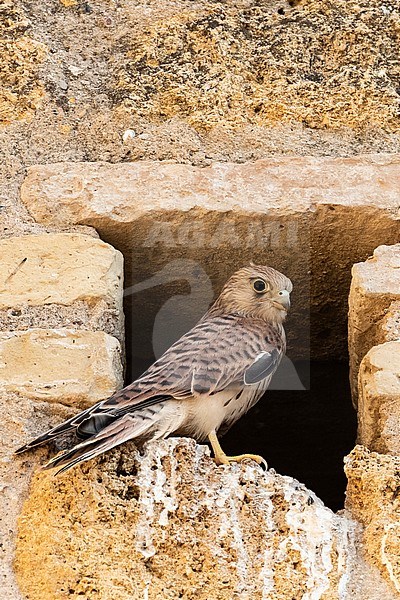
(153,423)
(60,430)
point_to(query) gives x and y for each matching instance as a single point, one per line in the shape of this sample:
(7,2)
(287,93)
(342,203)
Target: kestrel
(202,384)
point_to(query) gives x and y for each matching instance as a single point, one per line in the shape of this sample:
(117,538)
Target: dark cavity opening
(304,434)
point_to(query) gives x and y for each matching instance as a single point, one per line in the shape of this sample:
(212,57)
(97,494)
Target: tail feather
(94,419)
(116,433)
(68,426)
(102,428)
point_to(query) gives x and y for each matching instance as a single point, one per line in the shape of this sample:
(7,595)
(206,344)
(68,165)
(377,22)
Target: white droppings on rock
(267,560)
(146,592)
(232,531)
(314,530)
(165,491)
(311,534)
(346,551)
(155,490)
(230,496)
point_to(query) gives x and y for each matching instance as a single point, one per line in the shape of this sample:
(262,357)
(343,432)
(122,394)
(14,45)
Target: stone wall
(95,81)
(60,350)
(283,114)
(191,523)
(373,306)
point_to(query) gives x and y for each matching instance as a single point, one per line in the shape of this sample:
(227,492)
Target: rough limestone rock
(73,283)
(263,61)
(375,286)
(373,499)
(202,66)
(21,419)
(181,222)
(60,279)
(389,326)
(42,375)
(379,399)
(76,368)
(197,82)
(21,91)
(171,524)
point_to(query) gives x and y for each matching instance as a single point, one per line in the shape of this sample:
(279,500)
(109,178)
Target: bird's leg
(222,459)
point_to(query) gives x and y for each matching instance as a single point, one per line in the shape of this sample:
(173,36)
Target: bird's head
(257,291)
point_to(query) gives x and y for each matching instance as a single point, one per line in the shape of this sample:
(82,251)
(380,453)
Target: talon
(242,457)
(222,459)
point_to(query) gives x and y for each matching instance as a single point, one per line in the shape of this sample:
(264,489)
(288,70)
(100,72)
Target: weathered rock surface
(21,90)
(170,523)
(42,374)
(240,85)
(389,326)
(211,63)
(208,65)
(58,268)
(373,499)
(21,419)
(61,279)
(215,219)
(375,286)
(76,368)
(379,399)
(71,282)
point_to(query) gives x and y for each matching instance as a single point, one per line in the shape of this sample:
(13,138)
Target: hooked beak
(282,300)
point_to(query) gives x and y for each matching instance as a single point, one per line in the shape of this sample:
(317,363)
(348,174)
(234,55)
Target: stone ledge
(379,399)
(76,368)
(71,193)
(195,530)
(374,289)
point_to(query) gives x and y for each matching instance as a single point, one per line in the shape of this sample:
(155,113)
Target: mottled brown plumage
(203,383)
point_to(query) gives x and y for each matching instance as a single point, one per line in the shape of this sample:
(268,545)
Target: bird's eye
(259,285)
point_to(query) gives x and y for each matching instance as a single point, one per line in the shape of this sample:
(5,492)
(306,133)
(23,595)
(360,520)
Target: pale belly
(205,414)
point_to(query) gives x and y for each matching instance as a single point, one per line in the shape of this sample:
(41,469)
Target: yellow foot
(223,459)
